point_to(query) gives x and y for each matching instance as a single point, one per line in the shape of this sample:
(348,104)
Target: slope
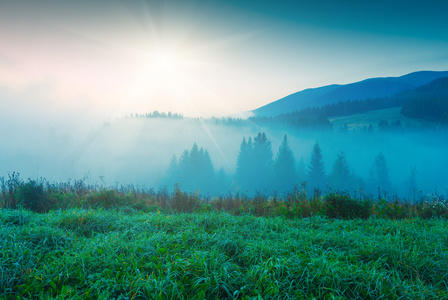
(369,88)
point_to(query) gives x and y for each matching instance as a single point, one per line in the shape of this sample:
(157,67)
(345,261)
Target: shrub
(183,202)
(152,209)
(393,210)
(205,208)
(344,207)
(259,205)
(9,189)
(32,197)
(137,204)
(435,206)
(105,198)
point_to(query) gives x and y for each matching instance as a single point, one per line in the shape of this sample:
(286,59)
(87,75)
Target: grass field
(128,254)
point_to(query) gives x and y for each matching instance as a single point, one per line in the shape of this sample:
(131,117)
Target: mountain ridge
(365,89)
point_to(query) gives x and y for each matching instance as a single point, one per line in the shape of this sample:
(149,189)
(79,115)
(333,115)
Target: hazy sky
(82,59)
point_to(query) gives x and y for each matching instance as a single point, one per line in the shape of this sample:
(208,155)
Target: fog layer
(138,151)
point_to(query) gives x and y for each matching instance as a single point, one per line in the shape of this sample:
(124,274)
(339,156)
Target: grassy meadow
(78,242)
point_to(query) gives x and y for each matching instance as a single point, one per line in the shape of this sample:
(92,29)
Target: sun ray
(163,68)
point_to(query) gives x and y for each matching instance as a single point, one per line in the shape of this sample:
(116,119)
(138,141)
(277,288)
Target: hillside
(374,117)
(426,105)
(362,90)
(428,102)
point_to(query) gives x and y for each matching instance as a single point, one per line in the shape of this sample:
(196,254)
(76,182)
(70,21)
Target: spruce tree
(244,166)
(195,170)
(316,171)
(340,177)
(185,174)
(262,161)
(184,165)
(253,164)
(241,161)
(207,171)
(195,157)
(285,173)
(173,172)
(379,174)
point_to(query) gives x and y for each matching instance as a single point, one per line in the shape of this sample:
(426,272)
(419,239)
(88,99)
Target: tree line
(258,171)
(428,102)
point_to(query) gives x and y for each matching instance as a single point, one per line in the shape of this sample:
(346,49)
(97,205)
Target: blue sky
(203,58)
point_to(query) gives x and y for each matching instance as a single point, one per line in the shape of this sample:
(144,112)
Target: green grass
(75,241)
(118,254)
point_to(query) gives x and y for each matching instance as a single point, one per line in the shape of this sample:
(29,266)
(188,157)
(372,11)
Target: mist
(40,143)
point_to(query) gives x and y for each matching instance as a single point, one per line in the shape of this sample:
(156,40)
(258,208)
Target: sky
(83,60)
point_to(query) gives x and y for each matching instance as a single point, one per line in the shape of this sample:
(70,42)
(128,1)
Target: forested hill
(372,88)
(428,102)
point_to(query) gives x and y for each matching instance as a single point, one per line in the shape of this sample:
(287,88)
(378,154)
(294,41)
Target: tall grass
(80,241)
(43,196)
(106,254)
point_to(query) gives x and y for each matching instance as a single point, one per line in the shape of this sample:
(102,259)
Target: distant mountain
(362,90)
(428,102)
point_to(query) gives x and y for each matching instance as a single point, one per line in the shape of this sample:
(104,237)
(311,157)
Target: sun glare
(164,60)
(170,78)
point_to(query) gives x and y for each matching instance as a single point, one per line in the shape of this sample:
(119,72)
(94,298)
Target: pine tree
(195,170)
(206,176)
(316,171)
(340,177)
(253,164)
(285,173)
(262,161)
(244,166)
(241,160)
(184,165)
(195,157)
(379,174)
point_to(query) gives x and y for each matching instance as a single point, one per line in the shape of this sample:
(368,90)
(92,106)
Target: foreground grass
(108,254)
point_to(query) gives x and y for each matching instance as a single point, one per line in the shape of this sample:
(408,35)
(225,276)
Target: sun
(165,61)
(169,78)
